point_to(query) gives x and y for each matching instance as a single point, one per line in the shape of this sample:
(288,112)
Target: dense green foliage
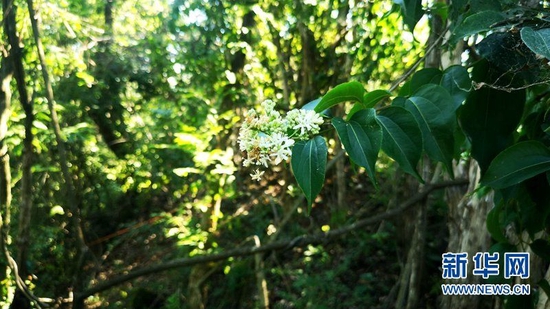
(150,97)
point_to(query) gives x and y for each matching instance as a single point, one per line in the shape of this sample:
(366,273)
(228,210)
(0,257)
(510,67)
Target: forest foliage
(124,183)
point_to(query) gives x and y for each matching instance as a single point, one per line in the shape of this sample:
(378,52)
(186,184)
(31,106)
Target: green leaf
(313,104)
(433,109)
(372,98)
(489,117)
(541,247)
(516,164)
(402,139)
(309,160)
(493,223)
(476,23)
(369,100)
(457,82)
(361,137)
(425,76)
(350,91)
(419,79)
(40,125)
(411,11)
(537,40)
(439,97)
(356,108)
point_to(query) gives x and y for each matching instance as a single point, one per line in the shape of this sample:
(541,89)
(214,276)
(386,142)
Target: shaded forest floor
(358,270)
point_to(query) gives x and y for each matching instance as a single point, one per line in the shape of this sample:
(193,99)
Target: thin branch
(300,241)
(63,158)
(478,85)
(420,60)
(19,282)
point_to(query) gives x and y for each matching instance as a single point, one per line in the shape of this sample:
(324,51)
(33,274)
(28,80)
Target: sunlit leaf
(185,171)
(40,125)
(346,92)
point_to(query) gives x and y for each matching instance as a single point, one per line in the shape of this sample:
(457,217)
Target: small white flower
(281,147)
(264,134)
(263,159)
(257,175)
(305,122)
(247,162)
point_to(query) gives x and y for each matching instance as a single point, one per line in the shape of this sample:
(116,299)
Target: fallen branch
(300,241)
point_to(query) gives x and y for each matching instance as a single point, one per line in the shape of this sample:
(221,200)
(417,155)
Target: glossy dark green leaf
(356,108)
(369,100)
(411,11)
(476,23)
(442,100)
(489,117)
(402,139)
(425,76)
(537,40)
(346,92)
(456,80)
(361,137)
(309,160)
(419,79)
(516,164)
(372,98)
(541,247)
(434,111)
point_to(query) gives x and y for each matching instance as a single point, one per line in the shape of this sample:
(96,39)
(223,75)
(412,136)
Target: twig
(19,282)
(478,85)
(413,68)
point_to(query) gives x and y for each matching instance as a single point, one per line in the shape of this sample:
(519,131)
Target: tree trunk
(71,201)
(6,72)
(413,270)
(467,228)
(25,209)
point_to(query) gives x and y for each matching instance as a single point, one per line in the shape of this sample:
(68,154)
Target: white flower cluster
(267,137)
